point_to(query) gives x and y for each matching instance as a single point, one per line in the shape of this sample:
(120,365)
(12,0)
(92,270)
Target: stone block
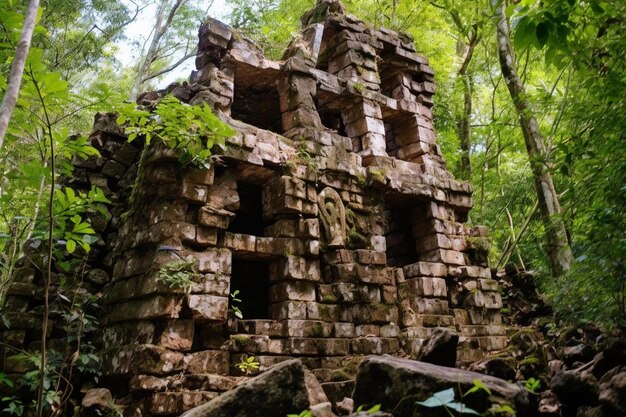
(389,330)
(288,310)
(151,307)
(426,305)
(343,292)
(177,335)
(261,327)
(321,347)
(248,343)
(216,261)
(207,362)
(423,287)
(493,300)
(211,217)
(210,382)
(292,290)
(389,294)
(240,243)
(374,346)
(120,334)
(324,312)
(195,193)
(344,330)
(445,256)
(213,284)
(374,313)
(294,267)
(471,272)
(144,359)
(307,328)
(488,284)
(208,307)
(425,269)
(168,403)
(279,246)
(206,236)
(362,330)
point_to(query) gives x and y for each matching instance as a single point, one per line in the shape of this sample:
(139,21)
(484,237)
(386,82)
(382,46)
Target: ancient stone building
(331,211)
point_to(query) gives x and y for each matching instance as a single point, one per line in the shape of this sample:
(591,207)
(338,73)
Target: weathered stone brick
(425,269)
(177,335)
(288,310)
(208,307)
(292,290)
(167,403)
(207,362)
(423,287)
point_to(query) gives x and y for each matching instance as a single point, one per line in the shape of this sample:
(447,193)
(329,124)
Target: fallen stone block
(275,393)
(387,380)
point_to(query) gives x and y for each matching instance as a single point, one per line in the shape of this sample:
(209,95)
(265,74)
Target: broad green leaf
(461,408)
(70,245)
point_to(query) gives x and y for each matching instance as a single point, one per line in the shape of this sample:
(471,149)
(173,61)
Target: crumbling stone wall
(331,211)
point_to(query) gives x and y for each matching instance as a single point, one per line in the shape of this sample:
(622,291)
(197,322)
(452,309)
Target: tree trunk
(17,69)
(161,26)
(463,119)
(558,247)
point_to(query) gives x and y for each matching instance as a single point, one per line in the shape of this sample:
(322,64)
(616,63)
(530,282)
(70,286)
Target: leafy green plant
(192,130)
(370,410)
(178,274)
(248,365)
(234,304)
(304,413)
(447,400)
(532,384)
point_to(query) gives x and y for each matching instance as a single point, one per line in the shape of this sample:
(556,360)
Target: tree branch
(168,69)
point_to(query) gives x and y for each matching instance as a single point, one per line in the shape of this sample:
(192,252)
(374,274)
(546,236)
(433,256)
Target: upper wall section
(338,83)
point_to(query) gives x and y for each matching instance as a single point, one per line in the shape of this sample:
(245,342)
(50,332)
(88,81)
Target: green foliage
(532,384)
(234,304)
(70,209)
(303,413)
(447,400)
(192,130)
(370,410)
(178,274)
(248,365)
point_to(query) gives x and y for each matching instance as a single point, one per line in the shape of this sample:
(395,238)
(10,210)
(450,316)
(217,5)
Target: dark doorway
(400,242)
(259,107)
(248,218)
(251,278)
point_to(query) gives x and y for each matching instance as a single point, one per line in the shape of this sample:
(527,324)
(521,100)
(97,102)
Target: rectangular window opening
(248,218)
(251,278)
(399,237)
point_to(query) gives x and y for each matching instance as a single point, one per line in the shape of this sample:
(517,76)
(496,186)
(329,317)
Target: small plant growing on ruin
(248,365)
(304,413)
(234,304)
(371,410)
(178,274)
(447,399)
(532,384)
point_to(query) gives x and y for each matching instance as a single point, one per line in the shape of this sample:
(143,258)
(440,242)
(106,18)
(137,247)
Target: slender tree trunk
(161,26)
(17,69)
(463,129)
(558,247)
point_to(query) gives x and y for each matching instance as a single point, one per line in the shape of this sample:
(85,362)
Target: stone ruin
(331,211)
